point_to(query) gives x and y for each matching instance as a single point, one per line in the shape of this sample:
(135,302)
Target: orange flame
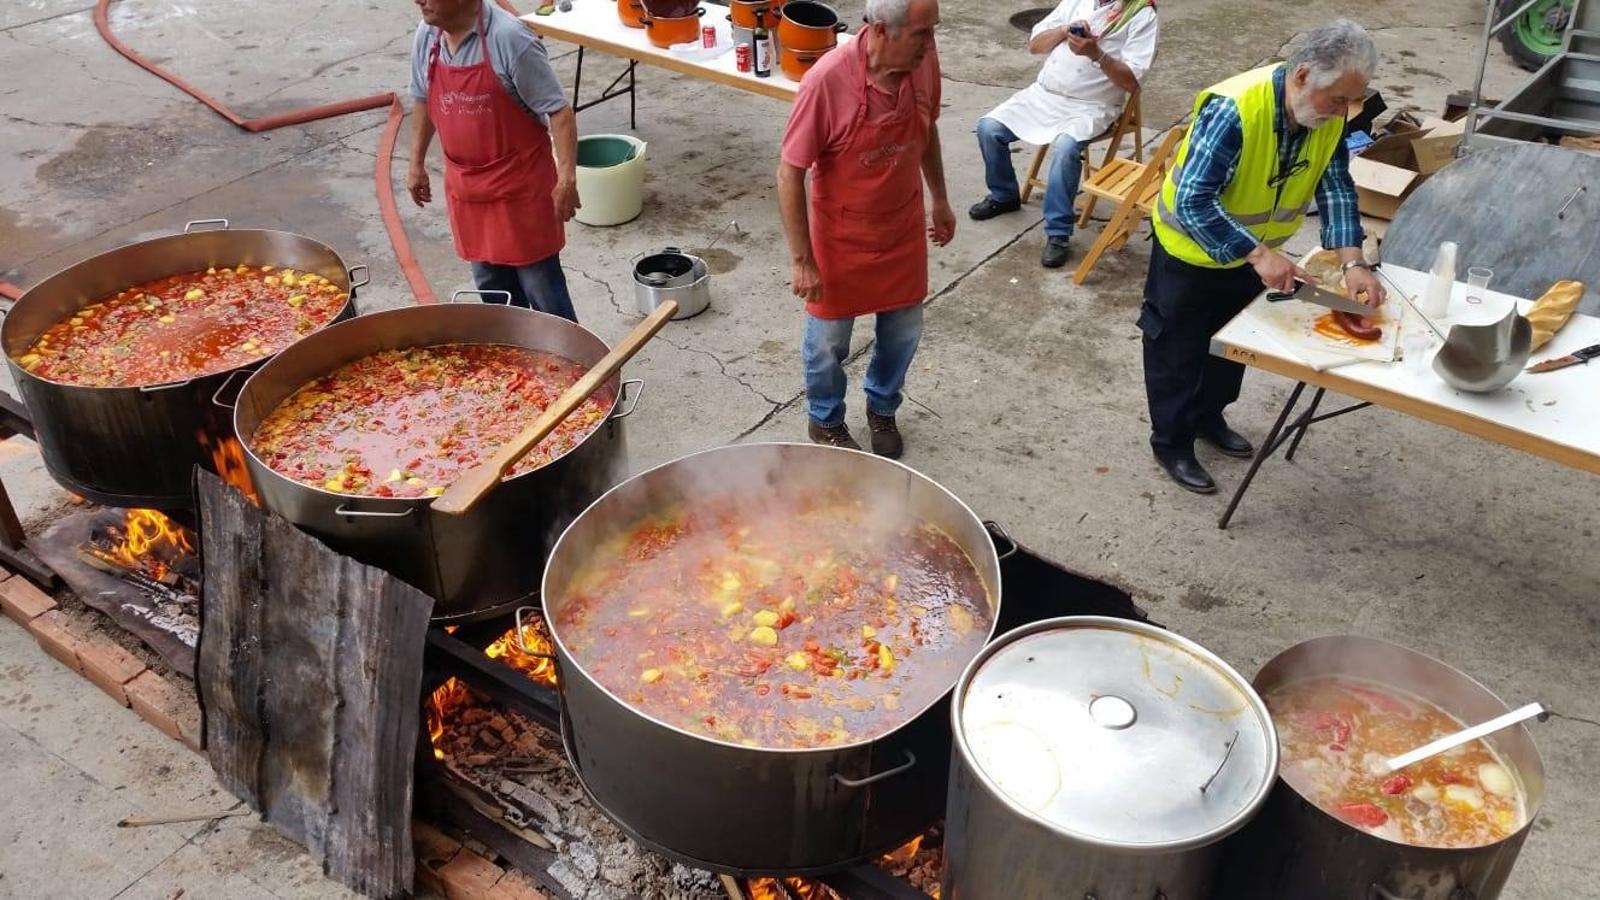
(789,889)
(149,543)
(227,457)
(441,704)
(901,857)
(541,669)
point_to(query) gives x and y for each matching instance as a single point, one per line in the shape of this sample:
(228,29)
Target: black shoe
(1229,442)
(988,208)
(886,439)
(1188,473)
(1056,252)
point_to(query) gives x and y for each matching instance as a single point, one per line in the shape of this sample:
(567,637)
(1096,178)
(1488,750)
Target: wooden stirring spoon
(479,480)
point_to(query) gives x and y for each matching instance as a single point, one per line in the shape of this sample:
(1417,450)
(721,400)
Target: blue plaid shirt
(1215,144)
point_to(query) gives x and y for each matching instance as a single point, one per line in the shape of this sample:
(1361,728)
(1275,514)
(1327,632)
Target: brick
(169,709)
(22,601)
(109,666)
(516,886)
(433,849)
(469,877)
(50,630)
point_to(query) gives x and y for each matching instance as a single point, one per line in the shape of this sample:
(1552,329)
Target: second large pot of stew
(754,645)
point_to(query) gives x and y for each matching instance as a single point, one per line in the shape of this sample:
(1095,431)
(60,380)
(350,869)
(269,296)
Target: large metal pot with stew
(754,643)
(352,432)
(1100,757)
(118,357)
(1338,825)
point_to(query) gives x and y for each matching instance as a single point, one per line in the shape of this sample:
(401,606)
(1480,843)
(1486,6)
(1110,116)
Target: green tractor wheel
(1536,34)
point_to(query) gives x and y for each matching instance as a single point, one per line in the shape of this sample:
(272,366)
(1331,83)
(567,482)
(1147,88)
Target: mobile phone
(1078,29)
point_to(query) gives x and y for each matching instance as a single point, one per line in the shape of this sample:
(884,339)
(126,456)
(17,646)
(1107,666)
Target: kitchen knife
(1571,359)
(1311,293)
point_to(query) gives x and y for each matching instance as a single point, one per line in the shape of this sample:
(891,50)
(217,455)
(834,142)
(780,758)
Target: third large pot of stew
(754,643)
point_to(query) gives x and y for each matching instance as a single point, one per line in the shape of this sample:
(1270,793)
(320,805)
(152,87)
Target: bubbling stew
(1336,733)
(794,619)
(184,326)
(406,423)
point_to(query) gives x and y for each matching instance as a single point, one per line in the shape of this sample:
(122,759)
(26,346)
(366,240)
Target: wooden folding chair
(1133,186)
(1128,121)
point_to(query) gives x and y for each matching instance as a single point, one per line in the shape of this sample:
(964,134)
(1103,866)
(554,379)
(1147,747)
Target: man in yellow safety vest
(1263,146)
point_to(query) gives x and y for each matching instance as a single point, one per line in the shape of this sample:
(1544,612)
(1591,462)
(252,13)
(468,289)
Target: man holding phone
(1096,51)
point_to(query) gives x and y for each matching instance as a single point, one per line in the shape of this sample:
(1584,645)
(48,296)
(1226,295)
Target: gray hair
(1336,48)
(892,13)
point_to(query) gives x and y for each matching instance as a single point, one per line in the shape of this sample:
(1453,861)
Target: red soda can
(708,36)
(741,57)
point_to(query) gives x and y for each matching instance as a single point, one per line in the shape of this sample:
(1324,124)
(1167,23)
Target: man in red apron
(484,83)
(863,125)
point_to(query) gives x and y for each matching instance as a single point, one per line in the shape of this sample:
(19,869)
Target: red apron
(867,220)
(499,168)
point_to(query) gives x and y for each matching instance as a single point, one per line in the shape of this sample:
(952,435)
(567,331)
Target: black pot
(750,810)
(137,446)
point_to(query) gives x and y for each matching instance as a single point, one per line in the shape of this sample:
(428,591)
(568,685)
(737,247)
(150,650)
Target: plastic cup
(1478,283)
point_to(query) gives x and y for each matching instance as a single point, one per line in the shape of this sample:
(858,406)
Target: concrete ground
(1026,398)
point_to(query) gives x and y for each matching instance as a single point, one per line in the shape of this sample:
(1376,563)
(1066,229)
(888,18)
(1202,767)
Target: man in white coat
(1098,50)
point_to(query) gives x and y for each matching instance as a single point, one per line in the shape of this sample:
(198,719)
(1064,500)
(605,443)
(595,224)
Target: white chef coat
(1072,95)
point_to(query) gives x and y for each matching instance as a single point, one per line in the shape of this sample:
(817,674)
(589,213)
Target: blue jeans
(827,343)
(541,285)
(1061,186)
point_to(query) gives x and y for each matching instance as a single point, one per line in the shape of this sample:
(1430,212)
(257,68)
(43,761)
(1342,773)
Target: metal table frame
(611,92)
(1293,434)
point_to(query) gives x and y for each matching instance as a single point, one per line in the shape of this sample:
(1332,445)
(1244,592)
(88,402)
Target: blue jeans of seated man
(541,285)
(827,343)
(1061,187)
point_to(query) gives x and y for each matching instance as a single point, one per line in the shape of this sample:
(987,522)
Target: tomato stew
(792,620)
(1336,733)
(184,326)
(406,423)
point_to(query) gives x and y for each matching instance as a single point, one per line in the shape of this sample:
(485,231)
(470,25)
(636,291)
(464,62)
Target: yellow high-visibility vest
(1271,213)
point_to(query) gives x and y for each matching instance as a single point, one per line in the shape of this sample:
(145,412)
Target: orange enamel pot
(664,32)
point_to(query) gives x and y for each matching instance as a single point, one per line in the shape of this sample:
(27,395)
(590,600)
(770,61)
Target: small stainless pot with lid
(671,275)
(1100,758)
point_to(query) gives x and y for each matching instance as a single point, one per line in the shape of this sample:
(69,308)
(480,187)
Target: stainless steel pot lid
(1116,733)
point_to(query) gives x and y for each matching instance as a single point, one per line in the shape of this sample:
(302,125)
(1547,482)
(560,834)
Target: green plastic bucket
(610,179)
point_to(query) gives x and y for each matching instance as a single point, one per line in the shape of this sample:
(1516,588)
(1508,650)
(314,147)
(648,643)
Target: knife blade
(1576,357)
(1307,292)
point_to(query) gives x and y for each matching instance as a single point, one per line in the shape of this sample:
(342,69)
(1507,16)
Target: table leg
(1268,447)
(633,111)
(1304,425)
(577,79)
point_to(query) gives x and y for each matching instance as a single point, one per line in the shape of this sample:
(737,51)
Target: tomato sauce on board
(790,619)
(184,326)
(406,423)
(1335,732)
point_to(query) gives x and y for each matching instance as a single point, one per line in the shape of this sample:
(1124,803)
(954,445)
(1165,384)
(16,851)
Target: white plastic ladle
(1449,741)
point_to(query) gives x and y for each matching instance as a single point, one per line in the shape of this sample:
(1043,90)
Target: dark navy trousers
(1188,388)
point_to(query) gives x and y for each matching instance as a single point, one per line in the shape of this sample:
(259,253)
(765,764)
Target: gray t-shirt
(515,53)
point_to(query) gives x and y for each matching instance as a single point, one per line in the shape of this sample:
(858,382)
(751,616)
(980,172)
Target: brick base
(53,635)
(20,600)
(167,708)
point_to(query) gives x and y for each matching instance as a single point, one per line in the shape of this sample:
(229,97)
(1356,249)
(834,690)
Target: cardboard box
(1393,166)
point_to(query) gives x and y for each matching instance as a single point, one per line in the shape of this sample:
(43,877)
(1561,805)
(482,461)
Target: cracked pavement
(1025,399)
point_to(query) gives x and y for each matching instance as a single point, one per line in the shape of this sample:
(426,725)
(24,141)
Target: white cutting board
(1292,325)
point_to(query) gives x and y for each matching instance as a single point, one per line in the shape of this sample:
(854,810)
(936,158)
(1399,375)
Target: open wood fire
(227,457)
(917,862)
(538,664)
(148,548)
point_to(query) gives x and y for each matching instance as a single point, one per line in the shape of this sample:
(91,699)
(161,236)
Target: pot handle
(351,274)
(158,388)
(622,392)
(223,387)
(1377,891)
(521,644)
(188,227)
(840,28)
(995,531)
(342,510)
(455,298)
(911,760)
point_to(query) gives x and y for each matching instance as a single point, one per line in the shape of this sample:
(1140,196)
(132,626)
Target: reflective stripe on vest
(1270,214)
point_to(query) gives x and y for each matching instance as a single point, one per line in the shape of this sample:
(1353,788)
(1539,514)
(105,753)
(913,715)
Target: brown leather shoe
(886,440)
(836,436)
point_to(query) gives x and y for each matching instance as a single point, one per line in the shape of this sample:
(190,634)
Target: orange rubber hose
(391,135)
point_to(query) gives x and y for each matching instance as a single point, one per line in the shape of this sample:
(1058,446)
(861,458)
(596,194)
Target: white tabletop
(595,24)
(1549,414)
